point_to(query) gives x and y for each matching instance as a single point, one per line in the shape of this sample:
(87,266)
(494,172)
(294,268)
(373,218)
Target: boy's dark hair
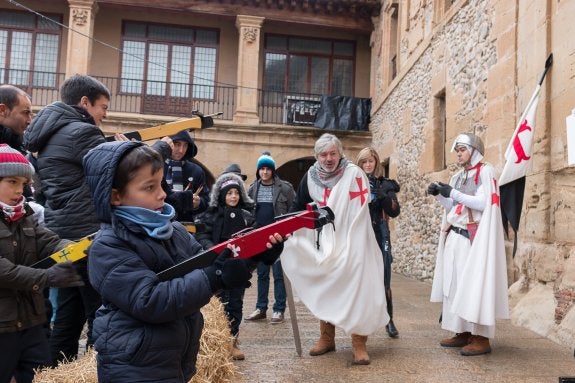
(78,86)
(133,161)
(9,95)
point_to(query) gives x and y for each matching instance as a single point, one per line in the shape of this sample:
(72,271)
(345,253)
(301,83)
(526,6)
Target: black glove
(433,188)
(63,275)
(228,273)
(444,189)
(389,185)
(269,257)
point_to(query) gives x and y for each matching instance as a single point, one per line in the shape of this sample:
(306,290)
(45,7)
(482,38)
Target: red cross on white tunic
(326,193)
(362,193)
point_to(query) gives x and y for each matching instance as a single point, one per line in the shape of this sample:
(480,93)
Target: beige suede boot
(360,355)
(235,351)
(326,342)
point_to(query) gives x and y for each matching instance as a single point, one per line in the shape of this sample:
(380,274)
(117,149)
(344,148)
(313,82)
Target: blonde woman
(383,205)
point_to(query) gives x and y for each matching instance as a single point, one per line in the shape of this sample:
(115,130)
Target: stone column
(79,53)
(248,69)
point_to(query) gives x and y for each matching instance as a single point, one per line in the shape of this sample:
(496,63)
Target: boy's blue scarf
(157,225)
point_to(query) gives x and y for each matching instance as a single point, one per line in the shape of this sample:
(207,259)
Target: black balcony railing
(173,99)
(149,97)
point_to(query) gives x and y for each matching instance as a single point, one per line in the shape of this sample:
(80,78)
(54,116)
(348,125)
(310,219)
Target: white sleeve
(447,203)
(475,202)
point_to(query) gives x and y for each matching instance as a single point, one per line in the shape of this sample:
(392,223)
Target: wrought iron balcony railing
(173,99)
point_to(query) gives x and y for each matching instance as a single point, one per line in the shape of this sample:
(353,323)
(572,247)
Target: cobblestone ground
(518,355)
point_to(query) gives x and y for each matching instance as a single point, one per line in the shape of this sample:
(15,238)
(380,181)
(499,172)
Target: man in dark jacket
(15,116)
(61,135)
(184,181)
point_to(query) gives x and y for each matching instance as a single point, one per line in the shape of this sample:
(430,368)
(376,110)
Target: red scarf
(14,213)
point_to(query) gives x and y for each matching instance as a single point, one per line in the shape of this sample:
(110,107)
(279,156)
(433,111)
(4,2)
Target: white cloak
(342,282)
(480,295)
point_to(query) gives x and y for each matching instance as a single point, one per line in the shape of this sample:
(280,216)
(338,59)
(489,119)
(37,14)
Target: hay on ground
(213,365)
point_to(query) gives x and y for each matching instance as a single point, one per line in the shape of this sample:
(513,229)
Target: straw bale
(213,365)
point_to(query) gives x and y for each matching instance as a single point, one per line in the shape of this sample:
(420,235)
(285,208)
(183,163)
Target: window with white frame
(309,66)
(29,48)
(167,60)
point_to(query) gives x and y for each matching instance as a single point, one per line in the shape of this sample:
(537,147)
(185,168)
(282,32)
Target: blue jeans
(264,287)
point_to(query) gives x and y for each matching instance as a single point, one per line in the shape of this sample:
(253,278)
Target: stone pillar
(79,53)
(248,69)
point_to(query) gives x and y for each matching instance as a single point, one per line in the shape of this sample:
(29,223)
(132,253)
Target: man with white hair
(470,276)
(338,273)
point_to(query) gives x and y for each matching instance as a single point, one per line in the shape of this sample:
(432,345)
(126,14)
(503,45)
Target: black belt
(460,231)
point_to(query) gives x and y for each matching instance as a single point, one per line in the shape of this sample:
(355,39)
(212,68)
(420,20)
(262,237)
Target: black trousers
(21,352)
(75,306)
(233,301)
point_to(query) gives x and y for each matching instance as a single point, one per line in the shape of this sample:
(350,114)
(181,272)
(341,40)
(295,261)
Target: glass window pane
(204,72)
(319,75)
(275,72)
(342,80)
(297,81)
(276,43)
(45,60)
(157,70)
(310,45)
(167,33)
(206,37)
(133,56)
(17,19)
(134,30)
(20,58)
(180,71)
(3,53)
(51,23)
(343,48)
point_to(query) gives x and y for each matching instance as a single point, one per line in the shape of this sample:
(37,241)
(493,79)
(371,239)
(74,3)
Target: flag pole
(548,64)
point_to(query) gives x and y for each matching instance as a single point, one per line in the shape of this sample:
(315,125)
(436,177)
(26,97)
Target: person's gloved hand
(433,188)
(63,275)
(228,273)
(444,189)
(270,256)
(389,185)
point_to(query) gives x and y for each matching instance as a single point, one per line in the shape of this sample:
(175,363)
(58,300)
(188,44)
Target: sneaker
(258,314)
(277,317)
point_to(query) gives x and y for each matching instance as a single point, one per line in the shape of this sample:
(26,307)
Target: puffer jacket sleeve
(122,278)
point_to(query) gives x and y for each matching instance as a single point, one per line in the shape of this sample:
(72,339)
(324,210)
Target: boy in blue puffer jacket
(146,330)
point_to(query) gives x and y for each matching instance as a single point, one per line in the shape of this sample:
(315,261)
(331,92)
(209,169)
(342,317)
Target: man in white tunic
(339,274)
(470,273)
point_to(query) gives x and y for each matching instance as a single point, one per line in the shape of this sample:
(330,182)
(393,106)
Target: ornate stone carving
(250,34)
(80,16)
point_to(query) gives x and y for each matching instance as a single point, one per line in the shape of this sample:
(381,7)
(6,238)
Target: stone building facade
(443,67)
(432,68)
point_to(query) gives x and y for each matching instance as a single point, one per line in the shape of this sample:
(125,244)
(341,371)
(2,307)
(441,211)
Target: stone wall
(484,58)
(459,53)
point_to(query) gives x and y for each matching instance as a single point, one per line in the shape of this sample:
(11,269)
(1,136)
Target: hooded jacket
(61,135)
(146,330)
(193,177)
(212,220)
